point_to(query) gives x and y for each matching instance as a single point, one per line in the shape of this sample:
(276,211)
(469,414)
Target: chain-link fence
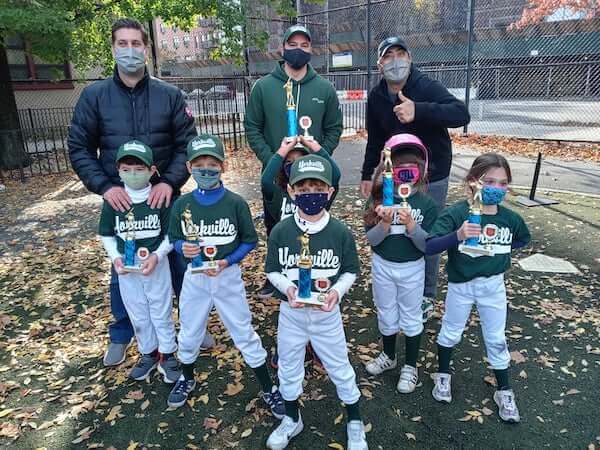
(539,82)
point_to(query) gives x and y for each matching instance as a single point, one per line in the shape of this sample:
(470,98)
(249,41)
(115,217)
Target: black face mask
(296,57)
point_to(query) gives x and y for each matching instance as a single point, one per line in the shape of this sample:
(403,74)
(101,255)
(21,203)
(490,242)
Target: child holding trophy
(312,260)
(476,273)
(136,242)
(275,177)
(397,223)
(212,227)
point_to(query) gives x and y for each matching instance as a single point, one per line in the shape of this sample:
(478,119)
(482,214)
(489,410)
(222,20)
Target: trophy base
(399,206)
(474,251)
(289,139)
(315,299)
(206,265)
(132,269)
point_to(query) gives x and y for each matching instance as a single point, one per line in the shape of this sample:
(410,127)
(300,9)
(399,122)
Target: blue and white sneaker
(274,400)
(170,369)
(180,393)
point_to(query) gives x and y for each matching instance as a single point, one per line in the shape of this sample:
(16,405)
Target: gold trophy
(292,115)
(471,246)
(305,294)
(388,179)
(190,231)
(132,259)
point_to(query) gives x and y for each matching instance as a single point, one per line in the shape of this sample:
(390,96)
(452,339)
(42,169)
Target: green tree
(79,31)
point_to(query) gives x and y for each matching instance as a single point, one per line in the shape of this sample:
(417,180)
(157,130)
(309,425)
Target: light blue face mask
(129,59)
(206,178)
(492,195)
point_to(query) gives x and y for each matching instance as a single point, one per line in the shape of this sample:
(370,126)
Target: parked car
(219,92)
(195,94)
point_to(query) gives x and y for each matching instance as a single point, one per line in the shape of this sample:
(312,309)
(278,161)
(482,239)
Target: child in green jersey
(397,237)
(479,279)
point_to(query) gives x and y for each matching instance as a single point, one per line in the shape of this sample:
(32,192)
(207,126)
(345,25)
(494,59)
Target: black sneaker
(267,290)
(274,400)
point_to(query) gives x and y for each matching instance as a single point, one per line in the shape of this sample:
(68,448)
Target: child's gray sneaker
(115,354)
(170,370)
(144,367)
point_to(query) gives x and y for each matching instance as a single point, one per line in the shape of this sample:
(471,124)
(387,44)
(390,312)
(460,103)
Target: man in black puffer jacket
(130,105)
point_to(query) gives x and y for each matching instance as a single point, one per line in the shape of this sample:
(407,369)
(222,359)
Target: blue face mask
(312,203)
(130,60)
(206,178)
(492,195)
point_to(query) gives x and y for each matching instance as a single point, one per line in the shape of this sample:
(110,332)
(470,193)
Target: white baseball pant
(226,292)
(489,295)
(398,295)
(148,301)
(325,331)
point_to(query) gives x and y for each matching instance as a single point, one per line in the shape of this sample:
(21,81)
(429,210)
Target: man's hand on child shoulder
(331,300)
(291,296)
(149,265)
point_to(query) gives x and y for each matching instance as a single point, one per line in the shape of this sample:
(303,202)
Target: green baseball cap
(296,29)
(138,150)
(206,145)
(311,166)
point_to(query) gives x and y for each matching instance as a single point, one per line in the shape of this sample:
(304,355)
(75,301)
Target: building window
(186,41)
(176,42)
(174,28)
(24,66)
(188,57)
(197,40)
(163,44)
(162,28)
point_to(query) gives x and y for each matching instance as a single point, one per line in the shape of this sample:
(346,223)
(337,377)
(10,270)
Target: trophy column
(292,116)
(388,178)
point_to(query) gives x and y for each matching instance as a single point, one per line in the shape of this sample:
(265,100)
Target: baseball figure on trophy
(132,259)
(192,235)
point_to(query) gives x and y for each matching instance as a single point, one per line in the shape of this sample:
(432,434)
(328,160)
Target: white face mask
(129,59)
(397,70)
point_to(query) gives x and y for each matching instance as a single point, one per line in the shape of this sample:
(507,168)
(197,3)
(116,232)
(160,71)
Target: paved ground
(578,176)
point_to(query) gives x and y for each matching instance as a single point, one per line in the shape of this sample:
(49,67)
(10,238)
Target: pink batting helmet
(405,140)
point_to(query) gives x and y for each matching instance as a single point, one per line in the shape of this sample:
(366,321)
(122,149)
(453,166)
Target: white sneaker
(409,377)
(381,364)
(287,429)
(357,440)
(507,407)
(442,390)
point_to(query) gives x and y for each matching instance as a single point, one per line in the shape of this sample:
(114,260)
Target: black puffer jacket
(108,114)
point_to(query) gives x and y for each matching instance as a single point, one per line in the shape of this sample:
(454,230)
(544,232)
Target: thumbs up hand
(405,111)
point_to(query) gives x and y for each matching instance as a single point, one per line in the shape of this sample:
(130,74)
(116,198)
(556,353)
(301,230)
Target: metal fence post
(470,22)
(368,49)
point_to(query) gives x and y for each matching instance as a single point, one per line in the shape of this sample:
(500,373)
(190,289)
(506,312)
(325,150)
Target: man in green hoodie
(314,96)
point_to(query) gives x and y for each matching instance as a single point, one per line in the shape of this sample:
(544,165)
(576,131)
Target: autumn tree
(78,31)
(538,10)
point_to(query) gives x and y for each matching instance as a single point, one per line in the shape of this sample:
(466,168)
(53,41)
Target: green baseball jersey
(224,224)
(332,249)
(397,246)
(150,225)
(498,231)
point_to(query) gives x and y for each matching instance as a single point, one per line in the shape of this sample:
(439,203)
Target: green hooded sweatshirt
(266,119)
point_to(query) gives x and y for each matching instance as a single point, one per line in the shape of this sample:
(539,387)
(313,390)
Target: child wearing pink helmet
(397,236)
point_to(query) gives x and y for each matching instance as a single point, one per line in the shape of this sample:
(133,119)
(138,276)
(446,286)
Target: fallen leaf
(517,357)
(145,404)
(246,433)
(336,446)
(487,411)
(113,413)
(338,419)
(234,389)
(132,445)
(410,436)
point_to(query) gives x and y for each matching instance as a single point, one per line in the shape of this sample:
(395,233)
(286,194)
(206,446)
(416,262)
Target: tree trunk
(12,150)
